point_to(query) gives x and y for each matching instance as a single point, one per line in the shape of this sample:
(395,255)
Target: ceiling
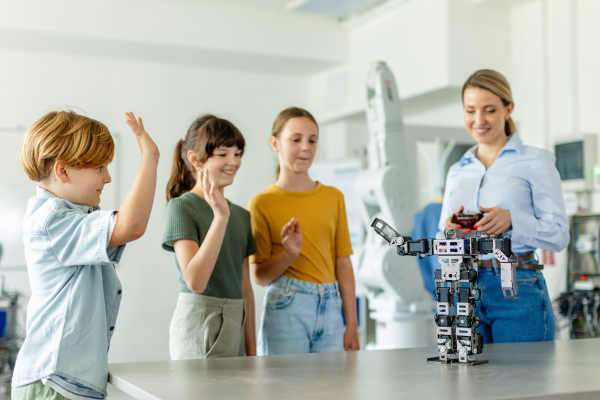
(280,4)
(333,8)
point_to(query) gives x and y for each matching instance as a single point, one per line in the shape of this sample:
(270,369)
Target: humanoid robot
(458,340)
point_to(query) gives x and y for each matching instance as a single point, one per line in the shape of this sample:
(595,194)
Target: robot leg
(445,320)
(469,342)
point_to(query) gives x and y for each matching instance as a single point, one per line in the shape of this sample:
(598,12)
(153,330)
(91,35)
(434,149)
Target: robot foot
(472,362)
(456,361)
(440,360)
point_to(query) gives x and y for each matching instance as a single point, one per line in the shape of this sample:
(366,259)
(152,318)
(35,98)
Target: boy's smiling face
(79,186)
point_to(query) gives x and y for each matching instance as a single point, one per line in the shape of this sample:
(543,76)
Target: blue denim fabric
(301,317)
(75,293)
(528,318)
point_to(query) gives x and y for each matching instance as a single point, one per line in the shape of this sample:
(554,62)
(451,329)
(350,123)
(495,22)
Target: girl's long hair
(282,119)
(206,134)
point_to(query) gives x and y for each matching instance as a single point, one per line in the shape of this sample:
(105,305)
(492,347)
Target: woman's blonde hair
(79,141)
(496,83)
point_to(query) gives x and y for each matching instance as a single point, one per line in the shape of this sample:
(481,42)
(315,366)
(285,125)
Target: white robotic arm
(388,190)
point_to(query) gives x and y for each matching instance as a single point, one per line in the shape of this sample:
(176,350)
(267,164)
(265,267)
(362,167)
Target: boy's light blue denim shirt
(523,180)
(75,292)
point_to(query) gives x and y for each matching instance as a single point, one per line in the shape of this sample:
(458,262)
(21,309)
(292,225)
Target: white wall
(201,33)
(168,98)
(588,52)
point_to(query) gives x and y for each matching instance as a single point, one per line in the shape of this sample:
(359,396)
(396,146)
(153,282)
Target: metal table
(543,370)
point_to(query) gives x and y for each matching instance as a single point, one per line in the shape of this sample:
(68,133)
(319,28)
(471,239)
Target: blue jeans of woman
(301,317)
(528,318)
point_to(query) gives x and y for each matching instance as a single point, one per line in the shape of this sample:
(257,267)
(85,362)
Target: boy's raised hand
(147,145)
(213,196)
(136,124)
(292,237)
(134,213)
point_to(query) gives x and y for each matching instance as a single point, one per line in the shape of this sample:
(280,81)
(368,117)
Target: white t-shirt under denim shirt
(75,296)
(523,180)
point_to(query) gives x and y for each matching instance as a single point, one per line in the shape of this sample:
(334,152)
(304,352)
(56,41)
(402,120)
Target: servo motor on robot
(458,254)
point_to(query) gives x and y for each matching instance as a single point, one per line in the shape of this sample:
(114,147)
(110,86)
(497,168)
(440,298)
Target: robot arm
(406,245)
(452,251)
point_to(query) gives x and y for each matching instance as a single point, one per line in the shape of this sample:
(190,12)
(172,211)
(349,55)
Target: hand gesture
(136,124)
(351,340)
(495,222)
(147,145)
(449,224)
(292,237)
(213,195)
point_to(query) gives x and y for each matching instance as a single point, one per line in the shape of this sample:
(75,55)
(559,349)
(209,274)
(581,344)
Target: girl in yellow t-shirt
(302,250)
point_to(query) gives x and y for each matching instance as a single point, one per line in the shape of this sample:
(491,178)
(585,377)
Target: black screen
(569,160)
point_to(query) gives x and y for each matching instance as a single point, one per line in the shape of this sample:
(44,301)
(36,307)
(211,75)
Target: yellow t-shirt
(321,213)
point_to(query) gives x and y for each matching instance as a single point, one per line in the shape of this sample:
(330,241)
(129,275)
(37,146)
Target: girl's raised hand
(213,196)
(292,237)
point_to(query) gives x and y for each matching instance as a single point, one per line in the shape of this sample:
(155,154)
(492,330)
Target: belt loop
(495,263)
(288,284)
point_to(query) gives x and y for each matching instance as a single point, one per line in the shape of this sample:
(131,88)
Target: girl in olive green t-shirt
(212,240)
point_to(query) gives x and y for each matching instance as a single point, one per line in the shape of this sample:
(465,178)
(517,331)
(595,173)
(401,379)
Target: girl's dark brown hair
(206,134)
(282,119)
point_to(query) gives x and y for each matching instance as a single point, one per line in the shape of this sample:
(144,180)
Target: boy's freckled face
(223,165)
(85,185)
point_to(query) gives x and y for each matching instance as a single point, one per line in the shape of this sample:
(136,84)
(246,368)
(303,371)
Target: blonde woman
(519,189)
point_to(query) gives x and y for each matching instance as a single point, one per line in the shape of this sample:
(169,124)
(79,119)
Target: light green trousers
(206,327)
(35,391)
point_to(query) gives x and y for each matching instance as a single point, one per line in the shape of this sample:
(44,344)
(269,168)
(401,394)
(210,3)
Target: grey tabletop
(542,370)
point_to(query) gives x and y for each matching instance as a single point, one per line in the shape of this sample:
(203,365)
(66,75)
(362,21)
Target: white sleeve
(111,226)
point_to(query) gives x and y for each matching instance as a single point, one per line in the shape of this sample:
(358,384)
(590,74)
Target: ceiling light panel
(335,8)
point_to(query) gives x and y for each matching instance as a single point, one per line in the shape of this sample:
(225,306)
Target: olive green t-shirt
(189,217)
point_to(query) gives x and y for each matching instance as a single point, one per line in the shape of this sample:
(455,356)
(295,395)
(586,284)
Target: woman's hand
(449,224)
(213,196)
(292,237)
(351,339)
(495,222)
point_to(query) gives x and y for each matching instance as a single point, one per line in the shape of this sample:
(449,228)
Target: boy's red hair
(79,141)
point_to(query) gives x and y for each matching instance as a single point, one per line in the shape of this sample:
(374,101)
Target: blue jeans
(528,318)
(301,317)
